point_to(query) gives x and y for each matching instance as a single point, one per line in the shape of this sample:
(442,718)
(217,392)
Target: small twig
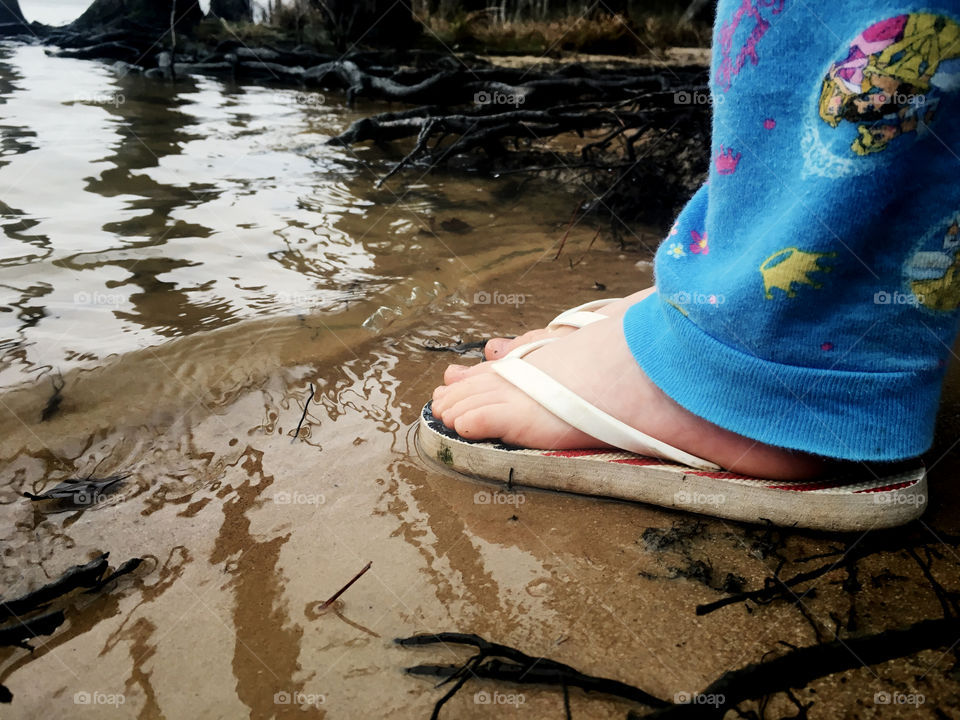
(773,587)
(574,264)
(342,590)
(296,433)
(564,240)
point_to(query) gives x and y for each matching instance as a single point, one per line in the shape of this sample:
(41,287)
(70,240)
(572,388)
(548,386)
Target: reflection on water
(54,12)
(136,211)
(61,12)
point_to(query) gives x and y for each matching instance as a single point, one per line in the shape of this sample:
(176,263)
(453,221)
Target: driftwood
(652,127)
(502,662)
(93,576)
(478,130)
(78,576)
(17,634)
(80,491)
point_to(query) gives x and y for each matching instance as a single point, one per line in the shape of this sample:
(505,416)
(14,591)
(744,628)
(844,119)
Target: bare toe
(498,347)
(488,421)
(446,396)
(481,399)
(456,373)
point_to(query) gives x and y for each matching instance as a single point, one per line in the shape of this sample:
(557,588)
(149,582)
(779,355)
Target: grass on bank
(482,32)
(602,34)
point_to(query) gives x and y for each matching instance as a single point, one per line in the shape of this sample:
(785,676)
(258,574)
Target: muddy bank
(630,129)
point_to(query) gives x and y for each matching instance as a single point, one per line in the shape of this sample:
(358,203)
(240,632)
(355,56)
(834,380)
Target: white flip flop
(647,470)
(581,315)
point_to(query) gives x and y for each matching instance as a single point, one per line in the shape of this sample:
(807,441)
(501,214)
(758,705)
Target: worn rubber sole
(871,497)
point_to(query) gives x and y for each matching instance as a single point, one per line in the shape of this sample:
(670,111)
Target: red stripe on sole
(576,453)
(887,488)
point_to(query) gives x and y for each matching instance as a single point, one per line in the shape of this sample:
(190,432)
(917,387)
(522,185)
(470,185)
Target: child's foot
(498,347)
(479,404)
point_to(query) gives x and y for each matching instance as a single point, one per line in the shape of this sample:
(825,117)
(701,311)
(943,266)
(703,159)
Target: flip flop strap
(581,315)
(578,413)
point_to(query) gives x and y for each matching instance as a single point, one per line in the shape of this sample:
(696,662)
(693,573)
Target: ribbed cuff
(840,414)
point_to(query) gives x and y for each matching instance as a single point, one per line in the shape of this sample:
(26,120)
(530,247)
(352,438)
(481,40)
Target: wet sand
(245,534)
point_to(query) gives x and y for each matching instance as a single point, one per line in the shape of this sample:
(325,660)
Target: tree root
(794,669)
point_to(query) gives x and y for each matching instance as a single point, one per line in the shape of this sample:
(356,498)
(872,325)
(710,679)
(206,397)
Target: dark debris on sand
(28,616)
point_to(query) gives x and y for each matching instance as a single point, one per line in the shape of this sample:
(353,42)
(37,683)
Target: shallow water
(191,259)
(137,211)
